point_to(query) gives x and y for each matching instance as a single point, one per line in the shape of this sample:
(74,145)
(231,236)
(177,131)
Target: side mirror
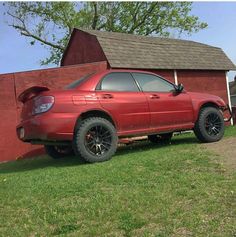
(179,88)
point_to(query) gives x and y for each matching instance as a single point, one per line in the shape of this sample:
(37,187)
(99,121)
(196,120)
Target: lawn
(145,190)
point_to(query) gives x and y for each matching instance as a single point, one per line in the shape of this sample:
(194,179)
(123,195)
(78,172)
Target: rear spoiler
(31,92)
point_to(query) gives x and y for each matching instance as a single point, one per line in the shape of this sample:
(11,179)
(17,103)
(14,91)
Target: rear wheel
(210,125)
(57,152)
(95,140)
(157,138)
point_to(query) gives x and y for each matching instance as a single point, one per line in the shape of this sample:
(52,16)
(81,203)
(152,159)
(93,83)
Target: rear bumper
(47,127)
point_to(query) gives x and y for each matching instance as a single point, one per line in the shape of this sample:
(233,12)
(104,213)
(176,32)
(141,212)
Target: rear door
(119,94)
(167,108)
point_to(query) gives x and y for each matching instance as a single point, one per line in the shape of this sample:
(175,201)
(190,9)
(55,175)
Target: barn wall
(11,85)
(212,82)
(84,48)
(8,118)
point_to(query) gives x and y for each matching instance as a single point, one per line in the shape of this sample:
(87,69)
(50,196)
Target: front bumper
(47,127)
(230,114)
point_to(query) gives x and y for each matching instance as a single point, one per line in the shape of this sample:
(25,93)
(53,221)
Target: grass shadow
(145,145)
(39,162)
(44,161)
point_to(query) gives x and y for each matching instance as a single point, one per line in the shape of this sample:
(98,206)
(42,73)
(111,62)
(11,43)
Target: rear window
(78,82)
(118,81)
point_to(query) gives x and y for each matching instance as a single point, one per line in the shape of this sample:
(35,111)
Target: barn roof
(145,52)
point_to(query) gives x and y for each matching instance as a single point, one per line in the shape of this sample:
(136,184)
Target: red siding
(83,48)
(213,82)
(8,117)
(11,85)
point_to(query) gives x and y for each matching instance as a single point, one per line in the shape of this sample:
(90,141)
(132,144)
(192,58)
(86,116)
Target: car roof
(128,70)
(92,82)
(107,71)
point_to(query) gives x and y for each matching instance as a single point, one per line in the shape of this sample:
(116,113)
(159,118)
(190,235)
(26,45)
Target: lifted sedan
(89,115)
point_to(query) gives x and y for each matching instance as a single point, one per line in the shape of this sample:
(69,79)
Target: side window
(152,83)
(118,81)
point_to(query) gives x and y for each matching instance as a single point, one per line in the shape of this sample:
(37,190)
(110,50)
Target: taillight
(42,104)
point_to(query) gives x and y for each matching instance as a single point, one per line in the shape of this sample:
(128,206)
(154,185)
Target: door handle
(107,96)
(154,96)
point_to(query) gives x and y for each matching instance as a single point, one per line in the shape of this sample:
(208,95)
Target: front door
(167,108)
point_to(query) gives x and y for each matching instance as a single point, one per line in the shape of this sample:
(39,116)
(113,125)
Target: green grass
(145,190)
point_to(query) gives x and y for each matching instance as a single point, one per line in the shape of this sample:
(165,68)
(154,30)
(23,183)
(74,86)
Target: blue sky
(16,54)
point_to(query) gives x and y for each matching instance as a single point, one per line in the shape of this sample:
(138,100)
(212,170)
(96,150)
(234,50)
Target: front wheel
(57,152)
(210,125)
(95,140)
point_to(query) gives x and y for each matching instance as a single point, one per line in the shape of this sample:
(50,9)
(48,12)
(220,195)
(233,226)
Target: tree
(51,23)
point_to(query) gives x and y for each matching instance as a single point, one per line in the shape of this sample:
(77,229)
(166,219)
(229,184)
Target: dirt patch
(226,149)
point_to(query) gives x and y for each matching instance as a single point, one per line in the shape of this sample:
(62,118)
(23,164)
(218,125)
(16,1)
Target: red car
(89,115)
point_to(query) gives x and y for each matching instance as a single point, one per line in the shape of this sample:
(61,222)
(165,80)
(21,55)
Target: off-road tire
(202,125)
(80,144)
(160,138)
(58,152)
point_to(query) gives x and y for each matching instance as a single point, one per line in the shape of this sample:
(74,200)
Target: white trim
(175,77)
(228,93)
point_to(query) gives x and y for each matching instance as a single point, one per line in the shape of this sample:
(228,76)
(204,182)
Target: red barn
(199,67)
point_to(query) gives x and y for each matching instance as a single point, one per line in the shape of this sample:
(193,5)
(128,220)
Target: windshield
(78,82)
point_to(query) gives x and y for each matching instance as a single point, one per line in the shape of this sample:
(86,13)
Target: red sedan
(88,116)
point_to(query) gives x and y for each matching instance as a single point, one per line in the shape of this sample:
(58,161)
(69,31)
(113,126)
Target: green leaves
(51,23)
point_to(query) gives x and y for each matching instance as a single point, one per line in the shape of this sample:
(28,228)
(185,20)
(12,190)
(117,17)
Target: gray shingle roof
(133,51)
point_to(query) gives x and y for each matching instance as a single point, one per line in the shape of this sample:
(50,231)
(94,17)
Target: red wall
(83,48)
(8,119)
(213,82)
(11,85)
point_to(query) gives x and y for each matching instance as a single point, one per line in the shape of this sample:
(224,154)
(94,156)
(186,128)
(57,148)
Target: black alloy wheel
(213,124)
(210,125)
(98,140)
(95,140)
